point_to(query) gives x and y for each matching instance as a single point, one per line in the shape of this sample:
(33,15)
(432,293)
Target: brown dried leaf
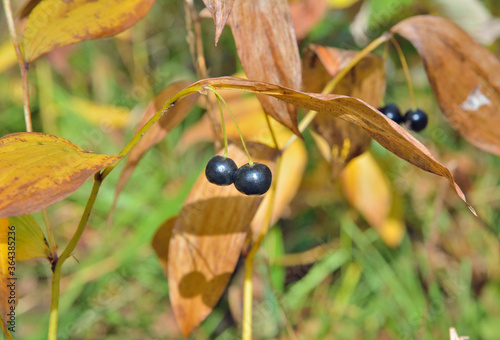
(464,76)
(159,130)
(54,23)
(267,48)
(389,134)
(207,239)
(365,81)
(220,10)
(39,170)
(161,242)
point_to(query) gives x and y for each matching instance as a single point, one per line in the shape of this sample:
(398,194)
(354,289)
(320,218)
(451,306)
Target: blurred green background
(445,273)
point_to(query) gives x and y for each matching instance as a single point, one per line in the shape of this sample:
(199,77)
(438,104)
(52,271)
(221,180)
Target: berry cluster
(254,179)
(415,120)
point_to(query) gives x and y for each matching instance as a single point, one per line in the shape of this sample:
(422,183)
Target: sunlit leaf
(464,76)
(365,81)
(220,10)
(161,242)
(55,23)
(111,116)
(367,189)
(30,241)
(389,134)
(39,170)
(159,130)
(7,56)
(267,48)
(207,239)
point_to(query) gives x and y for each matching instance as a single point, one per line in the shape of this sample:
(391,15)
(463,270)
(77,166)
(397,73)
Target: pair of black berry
(252,179)
(415,120)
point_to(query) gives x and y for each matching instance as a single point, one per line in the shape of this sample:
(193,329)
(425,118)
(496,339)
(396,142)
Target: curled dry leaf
(267,48)
(220,10)
(172,117)
(30,241)
(464,76)
(389,134)
(39,170)
(207,239)
(54,23)
(365,81)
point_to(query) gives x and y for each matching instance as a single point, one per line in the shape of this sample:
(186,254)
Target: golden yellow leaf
(207,239)
(30,241)
(367,189)
(100,114)
(39,170)
(7,56)
(55,23)
(341,3)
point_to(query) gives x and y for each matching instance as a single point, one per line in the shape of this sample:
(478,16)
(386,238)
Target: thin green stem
(170,103)
(406,71)
(56,276)
(50,234)
(23,66)
(250,162)
(247,283)
(223,123)
(330,86)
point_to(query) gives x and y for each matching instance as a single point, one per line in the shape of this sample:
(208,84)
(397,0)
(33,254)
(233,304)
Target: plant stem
(330,86)
(56,276)
(5,330)
(171,102)
(406,71)
(23,66)
(50,234)
(195,41)
(273,136)
(247,284)
(223,127)
(234,121)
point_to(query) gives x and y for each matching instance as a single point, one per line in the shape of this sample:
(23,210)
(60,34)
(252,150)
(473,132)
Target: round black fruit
(253,179)
(416,120)
(392,112)
(221,170)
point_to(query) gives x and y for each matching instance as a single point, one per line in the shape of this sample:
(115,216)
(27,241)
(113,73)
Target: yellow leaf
(341,3)
(56,23)
(367,189)
(39,170)
(30,241)
(97,114)
(7,56)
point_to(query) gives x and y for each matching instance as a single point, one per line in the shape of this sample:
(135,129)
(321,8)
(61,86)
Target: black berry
(392,112)
(221,170)
(253,180)
(416,120)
